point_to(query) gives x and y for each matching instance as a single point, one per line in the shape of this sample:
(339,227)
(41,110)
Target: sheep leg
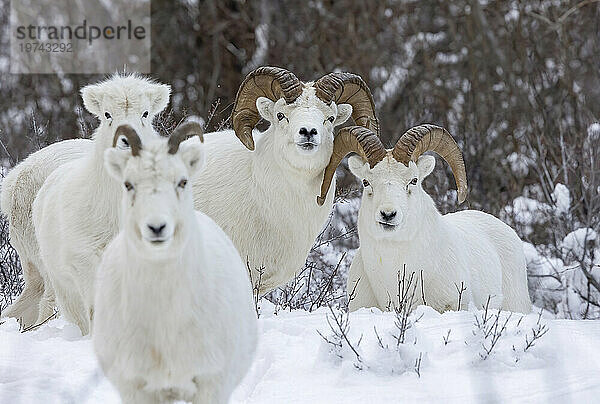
(362,292)
(71,306)
(25,308)
(212,391)
(47,304)
(131,393)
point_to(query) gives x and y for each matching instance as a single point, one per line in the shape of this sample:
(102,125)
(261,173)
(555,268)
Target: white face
(307,126)
(392,195)
(126,100)
(137,116)
(157,195)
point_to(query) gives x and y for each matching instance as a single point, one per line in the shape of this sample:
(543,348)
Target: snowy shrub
(399,341)
(518,163)
(337,341)
(395,350)
(386,348)
(322,280)
(525,213)
(367,340)
(504,336)
(557,216)
(11,281)
(564,277)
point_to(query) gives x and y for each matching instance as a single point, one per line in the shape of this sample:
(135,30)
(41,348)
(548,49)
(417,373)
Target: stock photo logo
(66,36)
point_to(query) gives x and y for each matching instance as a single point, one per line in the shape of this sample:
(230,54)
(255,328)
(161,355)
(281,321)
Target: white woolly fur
(19,189)
(265,199)
(174,317)
(75,213)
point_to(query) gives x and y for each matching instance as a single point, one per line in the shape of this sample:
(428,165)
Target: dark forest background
(515,82)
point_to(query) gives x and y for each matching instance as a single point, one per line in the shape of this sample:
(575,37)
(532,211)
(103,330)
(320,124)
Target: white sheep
(75,213)
(264,200)
(399,224)
(174,317)
(20,187)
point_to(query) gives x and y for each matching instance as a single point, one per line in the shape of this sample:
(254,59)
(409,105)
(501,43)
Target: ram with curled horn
(260,187)
(399,226)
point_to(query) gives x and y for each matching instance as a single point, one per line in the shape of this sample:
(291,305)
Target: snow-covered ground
(294,364)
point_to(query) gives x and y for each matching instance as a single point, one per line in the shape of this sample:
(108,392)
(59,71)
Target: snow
(512,15)
(575,242)
(519,164)
(524,213)
(594,131)
(558,282)
(559,272)
(395,80)
(54,364)
(50,365)
(261,33)
(540,270)
(562,198)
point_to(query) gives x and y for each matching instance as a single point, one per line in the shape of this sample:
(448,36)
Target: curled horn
(416,141)
(184,132)
(271,82)
(348,88)
(132,138)
(357,139)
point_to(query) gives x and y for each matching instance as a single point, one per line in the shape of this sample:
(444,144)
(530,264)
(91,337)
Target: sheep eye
(145,114)
(366,183)
(182,183)
(128,185)
(107,115)
(413,181)
(280,116)
(124,141)
(331,119)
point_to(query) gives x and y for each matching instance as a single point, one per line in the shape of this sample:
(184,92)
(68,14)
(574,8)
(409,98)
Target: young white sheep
(264,199)
(174,318)
(21,185)
(19,189)
(75,212)
(399,224)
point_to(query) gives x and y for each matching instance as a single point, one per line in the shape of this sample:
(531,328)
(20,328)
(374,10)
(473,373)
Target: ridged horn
(184,132)
(132,137)
(271,82)
(422,138)
(348,88)
(357,139)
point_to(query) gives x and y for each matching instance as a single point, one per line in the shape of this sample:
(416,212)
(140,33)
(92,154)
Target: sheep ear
(425,165)
(358,166)
(92,99)
(159,97)
(344,112)
(115,161)
(192,153)
(265,108)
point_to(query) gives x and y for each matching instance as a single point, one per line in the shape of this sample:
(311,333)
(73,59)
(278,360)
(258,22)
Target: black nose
(157,229)
(307,133)
(387,216)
